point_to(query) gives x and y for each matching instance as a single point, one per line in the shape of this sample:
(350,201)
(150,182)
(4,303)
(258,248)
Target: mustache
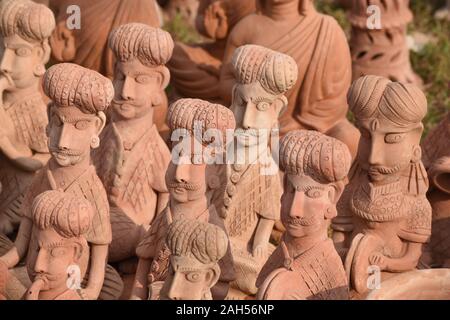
(119,102)
(46,277)
(66,152)
(376,170)
(247,132)
(184,185)
(302,221)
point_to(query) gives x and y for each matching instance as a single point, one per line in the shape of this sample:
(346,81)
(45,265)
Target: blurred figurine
(384,217)
(132,159)
(317,101)
(378,41)
(306,265)
(25,28)
(196,248)
(60,224)
(195,69)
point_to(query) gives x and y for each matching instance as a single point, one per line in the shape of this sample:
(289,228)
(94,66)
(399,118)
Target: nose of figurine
(247,121)
(182,172)
(174,292)
(65,137)
(127,89)
(297,204)
(40,265)
(6,62)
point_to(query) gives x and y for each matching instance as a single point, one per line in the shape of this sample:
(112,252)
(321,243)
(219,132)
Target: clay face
(304,205)
(189,279)
(67,123)
(386,149)
(135,86)
(20,61)
(56,255)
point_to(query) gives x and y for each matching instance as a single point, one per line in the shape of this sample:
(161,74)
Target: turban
(185,113)
(401,104)
(70,85)
(316,155)
(68,215)
(27,19)
(152,46)
(276,72)
(203,241)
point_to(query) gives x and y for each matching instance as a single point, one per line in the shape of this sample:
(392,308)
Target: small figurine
(317,101)
(436,158)
(25,28)
(306,265)
(60,223)
(79,99)
(132,159)
(199,135)
(384,217)
(378,41)
(195,69)
(250,204)
(196,248)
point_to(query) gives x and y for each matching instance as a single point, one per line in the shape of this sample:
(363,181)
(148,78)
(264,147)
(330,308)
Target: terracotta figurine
(195,69)
(132,159)
(251,199)
(79,99)
(378,41)
(436,158)
(25,28)
(196,247)
(306,265)
(384,217)
(3,280)
(61,221)
(319,47)
(194,186)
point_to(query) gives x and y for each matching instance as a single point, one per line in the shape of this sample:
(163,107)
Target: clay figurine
(132,159)
(195,69)
(378,41)
(25,28)
(196,248)
(436,158)
(61,221)
(250,203)
(318,45)
(79,98)
(306,265)
(194,184)
(3,280)
(384,217)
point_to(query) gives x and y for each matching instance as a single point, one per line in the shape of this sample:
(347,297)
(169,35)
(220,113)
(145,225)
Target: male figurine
(319,46)
(25,28)
(195,69)
(252,193)
(60,223)
(132,159)
(384,210)
(79,99)
(199,131)
(306,265)
(196,248)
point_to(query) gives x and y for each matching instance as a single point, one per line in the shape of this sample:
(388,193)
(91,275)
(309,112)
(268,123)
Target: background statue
(132,159)
(25,28)
(198,128)
(61,222)
(306,265)
(195,68)
(318,45)
(381,50)
(384,211)
(196,248)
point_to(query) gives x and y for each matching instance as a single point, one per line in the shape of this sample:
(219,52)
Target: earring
(331,211)
(39,70)
(207,295)
(416,154)
(95,142)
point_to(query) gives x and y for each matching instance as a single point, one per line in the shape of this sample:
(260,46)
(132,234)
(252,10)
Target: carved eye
(314,193)
(82,124)
(23,52)
(193,276)
(393,138)
(143,79)
(58,252)
(262,106)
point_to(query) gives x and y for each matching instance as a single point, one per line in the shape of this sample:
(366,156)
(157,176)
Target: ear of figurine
(165,77)
(281,104)
(78,253)
(100,122)
(212,276)
(336,190)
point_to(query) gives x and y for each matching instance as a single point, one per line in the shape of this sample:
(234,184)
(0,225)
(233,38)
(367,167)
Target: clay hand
(260,252)
(379,260)
(216,24)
